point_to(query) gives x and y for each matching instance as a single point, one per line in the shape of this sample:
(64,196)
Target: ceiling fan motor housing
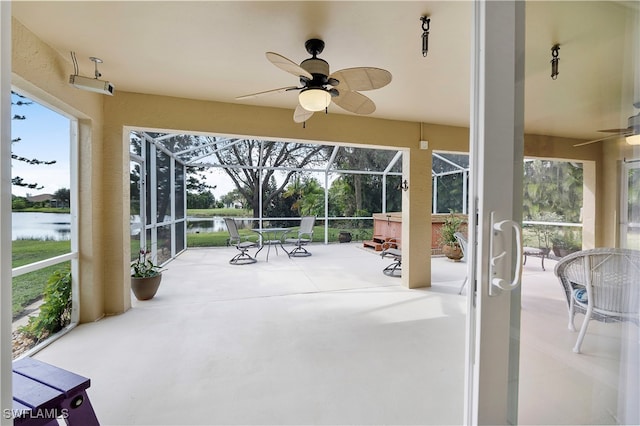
(634,123)
(319,69)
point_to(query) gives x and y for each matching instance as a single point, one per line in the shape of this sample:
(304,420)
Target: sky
(45,135)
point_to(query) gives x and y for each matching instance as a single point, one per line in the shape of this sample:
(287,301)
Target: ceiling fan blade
(300,115)
(601,139)
(618,131)
(354,102)
(361,78)
(267,92)
(288,65)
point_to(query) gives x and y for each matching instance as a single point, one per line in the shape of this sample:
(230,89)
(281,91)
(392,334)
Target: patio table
(271,237)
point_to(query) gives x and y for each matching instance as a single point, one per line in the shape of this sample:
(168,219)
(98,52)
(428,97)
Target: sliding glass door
(521,368)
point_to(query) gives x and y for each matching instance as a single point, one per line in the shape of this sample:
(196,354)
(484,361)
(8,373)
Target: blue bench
(42,393)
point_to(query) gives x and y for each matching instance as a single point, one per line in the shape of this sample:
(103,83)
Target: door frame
(496,138)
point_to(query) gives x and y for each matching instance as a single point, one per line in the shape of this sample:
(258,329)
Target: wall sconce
(554,61)
(405,185)
(425,34)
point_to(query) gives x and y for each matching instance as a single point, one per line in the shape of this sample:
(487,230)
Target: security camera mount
(91,84)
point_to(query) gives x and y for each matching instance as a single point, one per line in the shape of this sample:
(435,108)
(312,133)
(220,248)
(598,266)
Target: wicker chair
(603,284)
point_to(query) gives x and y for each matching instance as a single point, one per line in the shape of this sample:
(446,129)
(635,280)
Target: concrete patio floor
(326,339)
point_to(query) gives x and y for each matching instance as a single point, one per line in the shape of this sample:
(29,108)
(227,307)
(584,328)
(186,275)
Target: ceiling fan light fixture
(634,127)
(314,99)
(633,139)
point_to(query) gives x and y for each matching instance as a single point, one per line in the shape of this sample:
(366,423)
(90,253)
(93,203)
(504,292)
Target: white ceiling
(214,50)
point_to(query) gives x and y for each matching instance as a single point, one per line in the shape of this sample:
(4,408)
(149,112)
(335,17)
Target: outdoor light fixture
(405,185)
(314,99)
(425,34)
(554,61)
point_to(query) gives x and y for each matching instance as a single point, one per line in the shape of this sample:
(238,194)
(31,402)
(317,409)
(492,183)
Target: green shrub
(55,311)
(546,234)
(451,225)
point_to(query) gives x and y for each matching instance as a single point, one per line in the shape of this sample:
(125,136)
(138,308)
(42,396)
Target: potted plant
(450,246)
(145,277)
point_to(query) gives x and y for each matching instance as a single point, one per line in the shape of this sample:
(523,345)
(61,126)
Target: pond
(40,226)
(196,225)
(57,226)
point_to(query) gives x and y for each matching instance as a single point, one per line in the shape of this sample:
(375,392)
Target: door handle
(499,270)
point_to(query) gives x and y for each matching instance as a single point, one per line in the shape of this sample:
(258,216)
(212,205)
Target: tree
(199,195)
(62,197)
(552,192)
(18,100)
(202,200)
(361,194)
(197,180)
(255,162)
(341,198)
(552,187)
(231,198)
(19,203)
(307,195)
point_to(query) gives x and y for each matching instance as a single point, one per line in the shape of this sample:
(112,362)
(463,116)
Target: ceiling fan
(631,133)
(318,88)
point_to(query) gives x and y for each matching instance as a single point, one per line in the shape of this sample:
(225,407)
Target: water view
(197,225)
(57,226)
(40,226)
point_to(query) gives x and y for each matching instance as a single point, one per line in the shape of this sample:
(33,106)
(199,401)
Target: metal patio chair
(603,284)
(389,249)
(305,236)
(241,243)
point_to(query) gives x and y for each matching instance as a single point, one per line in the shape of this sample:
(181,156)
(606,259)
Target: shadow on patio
(326,339)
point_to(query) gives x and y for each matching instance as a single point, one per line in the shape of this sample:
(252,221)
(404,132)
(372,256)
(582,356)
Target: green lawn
(219,239)
(219,213)
(44,210)
(29,287)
